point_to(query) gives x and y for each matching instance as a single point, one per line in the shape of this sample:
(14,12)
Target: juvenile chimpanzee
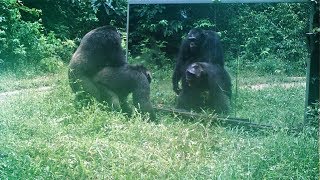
(116,83)
(202,77)
(199,45)
(99,48)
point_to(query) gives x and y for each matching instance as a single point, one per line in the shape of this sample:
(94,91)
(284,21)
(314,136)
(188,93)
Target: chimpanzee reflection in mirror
(206,85)
(199,45)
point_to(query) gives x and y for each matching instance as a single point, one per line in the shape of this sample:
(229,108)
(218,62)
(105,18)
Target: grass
(286,105)
(10,81)
(44,137)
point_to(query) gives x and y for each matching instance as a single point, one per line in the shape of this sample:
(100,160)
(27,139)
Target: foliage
(152,56)
(166,23)
(111,12)
(23,43)
(267,38)
(69,19)
(50,64)
(275,44)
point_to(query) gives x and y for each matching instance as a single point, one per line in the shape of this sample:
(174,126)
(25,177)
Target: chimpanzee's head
(195,74)
(195,39)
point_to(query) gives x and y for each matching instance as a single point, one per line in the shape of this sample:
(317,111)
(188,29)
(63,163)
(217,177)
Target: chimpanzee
(116,83)
(199,45)
(202,77)
(99,48)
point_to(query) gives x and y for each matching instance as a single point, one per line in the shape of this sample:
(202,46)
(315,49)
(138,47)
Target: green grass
(10,81)
(274,105)
(44,137)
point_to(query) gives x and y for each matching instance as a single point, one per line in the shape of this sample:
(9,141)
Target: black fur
(116,83)
(99,48)
(202,77)
(199,45)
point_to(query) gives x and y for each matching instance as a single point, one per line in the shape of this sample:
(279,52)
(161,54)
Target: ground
(44,136)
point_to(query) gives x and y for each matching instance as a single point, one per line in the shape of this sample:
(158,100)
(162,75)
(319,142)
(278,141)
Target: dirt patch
(5,95)
(282,85)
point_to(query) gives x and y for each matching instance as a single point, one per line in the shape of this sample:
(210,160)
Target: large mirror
(264,47)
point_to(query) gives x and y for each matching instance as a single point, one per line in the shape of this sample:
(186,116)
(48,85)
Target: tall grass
(44,137)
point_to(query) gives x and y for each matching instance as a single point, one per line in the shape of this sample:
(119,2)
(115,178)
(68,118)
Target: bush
(23,43)
(68,19)
(152,56)
(51,64)
(269,36)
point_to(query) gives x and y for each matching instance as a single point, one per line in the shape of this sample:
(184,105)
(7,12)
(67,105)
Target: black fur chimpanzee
(116,83)
(99,48)
(202,77)
(199,45)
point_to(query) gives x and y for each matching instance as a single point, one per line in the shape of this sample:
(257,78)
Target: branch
(224,120)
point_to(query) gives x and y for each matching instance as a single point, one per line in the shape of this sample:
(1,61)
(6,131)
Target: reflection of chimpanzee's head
(206,77)
(195,75)
(196,37)
(198,45)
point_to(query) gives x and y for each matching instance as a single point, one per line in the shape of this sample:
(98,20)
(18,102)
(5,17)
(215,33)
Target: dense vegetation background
(42,34)
(43,135)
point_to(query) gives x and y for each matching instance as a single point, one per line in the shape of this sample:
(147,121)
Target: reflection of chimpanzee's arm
(177,75)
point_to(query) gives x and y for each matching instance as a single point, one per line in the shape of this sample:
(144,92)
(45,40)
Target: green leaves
(204,23)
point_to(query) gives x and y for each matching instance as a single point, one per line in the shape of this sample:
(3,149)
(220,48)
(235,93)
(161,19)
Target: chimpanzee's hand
(176,89)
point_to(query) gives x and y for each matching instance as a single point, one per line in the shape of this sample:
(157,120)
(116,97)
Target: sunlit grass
(44,137)
(274,105)
(10,81)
